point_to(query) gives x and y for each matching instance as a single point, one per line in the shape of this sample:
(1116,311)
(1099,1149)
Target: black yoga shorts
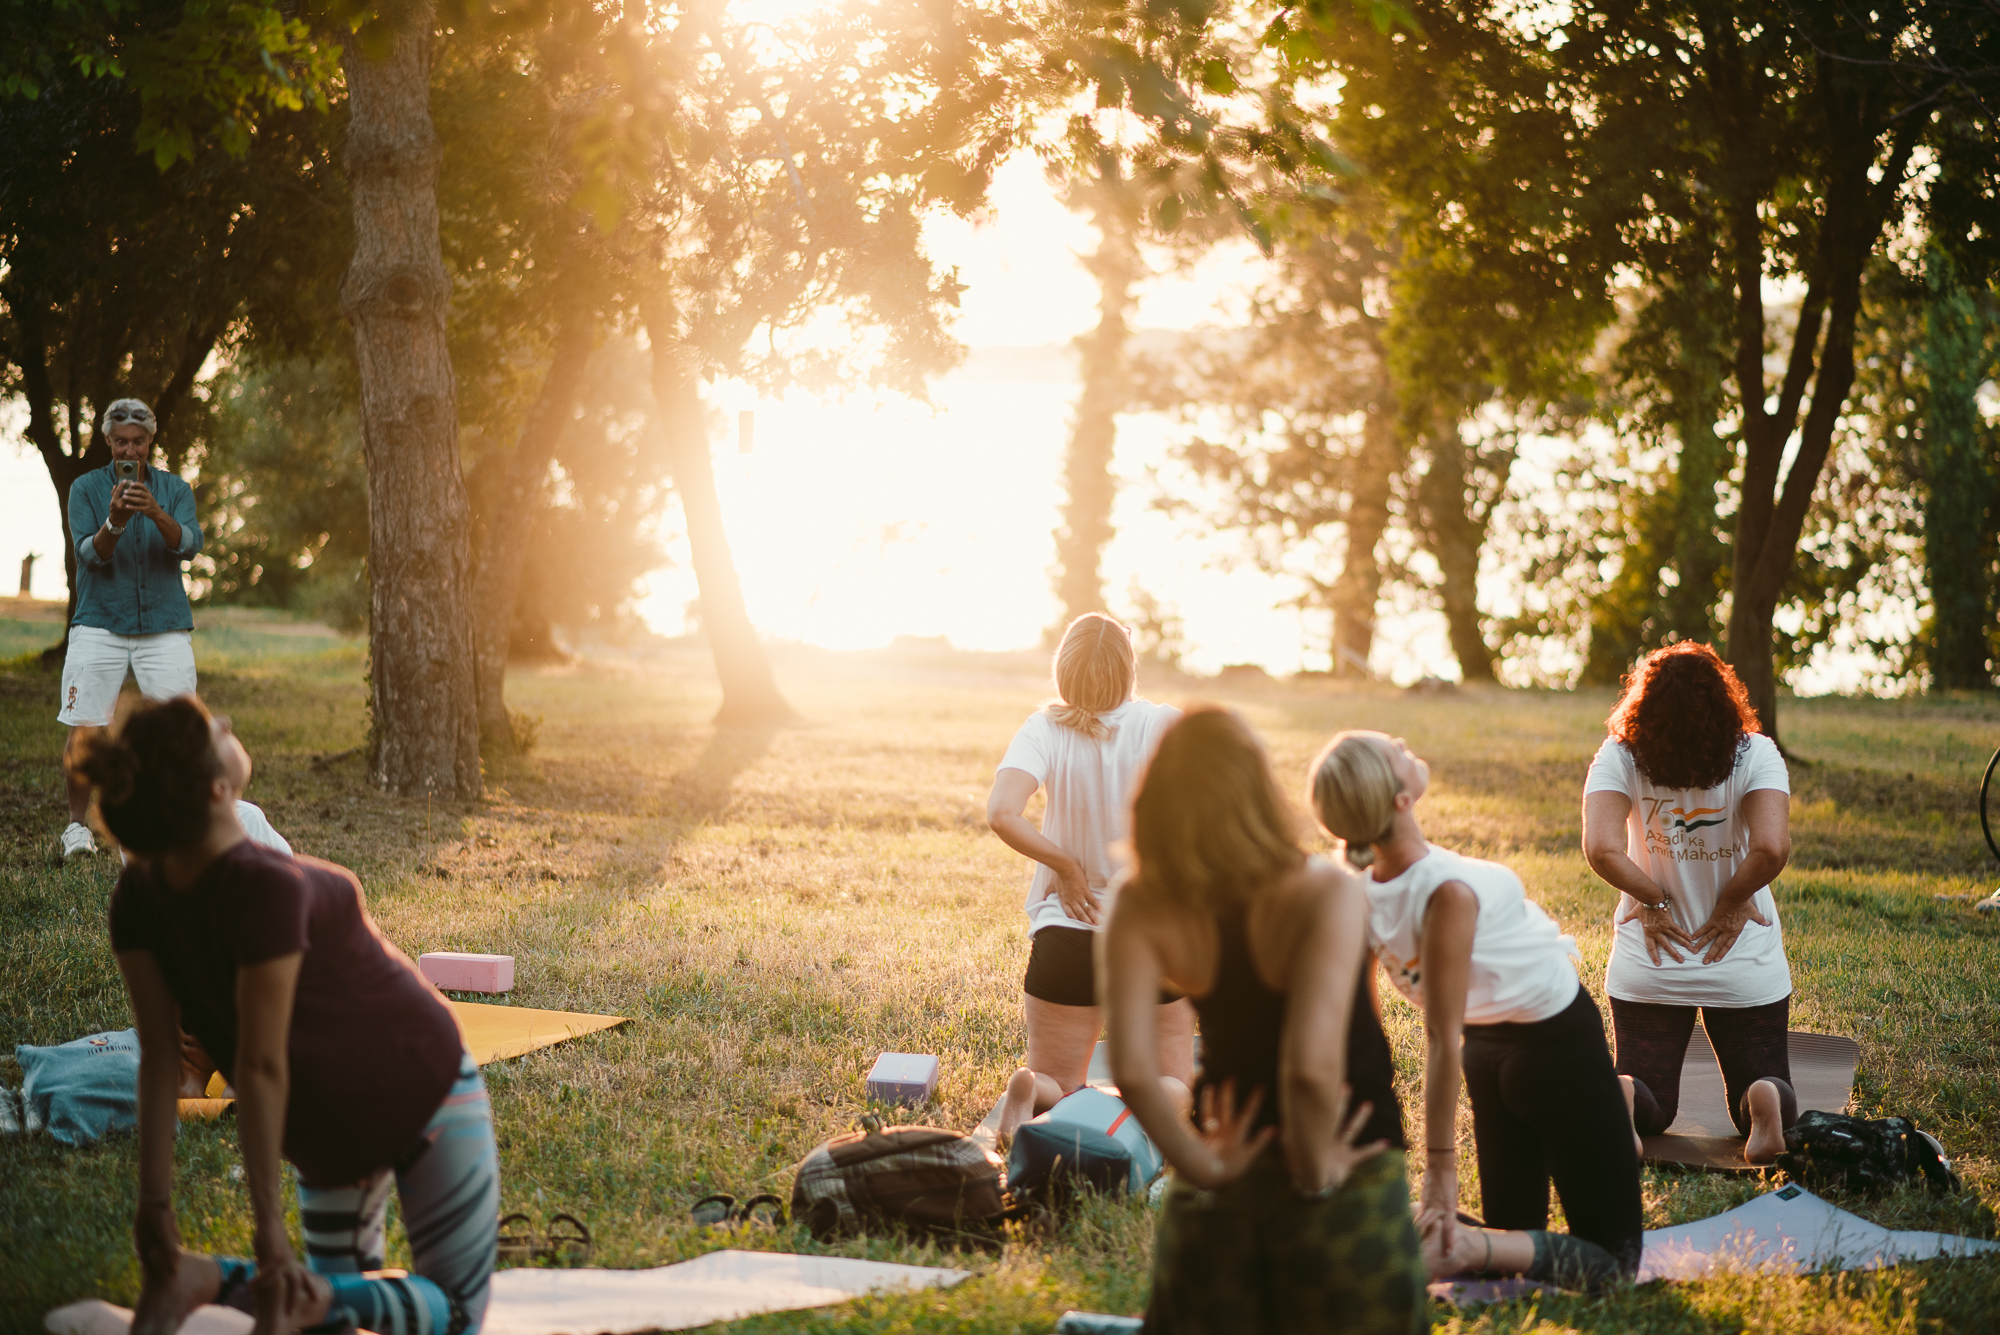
(1062,968)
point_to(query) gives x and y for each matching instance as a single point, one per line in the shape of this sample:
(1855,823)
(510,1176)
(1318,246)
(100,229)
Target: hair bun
(112,766)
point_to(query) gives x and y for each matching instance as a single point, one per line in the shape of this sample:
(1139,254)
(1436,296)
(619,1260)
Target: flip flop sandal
(570,1245)
(746,1213)
(521,1245)
(713,1209)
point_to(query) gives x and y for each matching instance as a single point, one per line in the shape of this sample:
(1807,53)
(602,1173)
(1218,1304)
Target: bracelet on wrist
(1442,1149)
(116,530)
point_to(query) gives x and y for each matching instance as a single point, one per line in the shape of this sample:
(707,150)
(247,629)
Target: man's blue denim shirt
(139,591)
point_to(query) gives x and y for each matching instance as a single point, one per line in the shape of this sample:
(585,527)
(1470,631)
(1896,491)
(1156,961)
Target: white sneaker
(78,842)
(1990,904)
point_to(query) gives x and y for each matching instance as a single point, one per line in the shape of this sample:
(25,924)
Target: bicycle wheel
(1986,787)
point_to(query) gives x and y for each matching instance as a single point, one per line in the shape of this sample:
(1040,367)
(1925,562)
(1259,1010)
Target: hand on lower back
(1225,1130)
(1663,934)
(1073,890)
(1718,935)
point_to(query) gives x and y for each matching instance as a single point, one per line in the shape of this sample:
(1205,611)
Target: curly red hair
(1684,716)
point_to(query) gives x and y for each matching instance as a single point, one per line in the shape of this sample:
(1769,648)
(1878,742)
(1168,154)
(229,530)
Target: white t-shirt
(1689,843)
(1521,969)
(258,827)
(1089,784)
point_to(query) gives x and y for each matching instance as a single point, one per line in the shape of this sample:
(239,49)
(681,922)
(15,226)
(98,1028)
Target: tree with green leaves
(778,176)
(120,275)
(1307,450)
(1758,143)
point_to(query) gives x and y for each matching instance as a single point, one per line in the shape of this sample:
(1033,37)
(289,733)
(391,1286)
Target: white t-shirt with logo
(1691,842)
(1521,962)
(1089,785)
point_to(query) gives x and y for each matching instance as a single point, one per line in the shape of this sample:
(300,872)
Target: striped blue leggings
(450,1193)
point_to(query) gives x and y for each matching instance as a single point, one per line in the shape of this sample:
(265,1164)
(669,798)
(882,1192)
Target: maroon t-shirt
(374,1048)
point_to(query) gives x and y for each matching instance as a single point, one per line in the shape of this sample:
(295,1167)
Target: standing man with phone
(134,529)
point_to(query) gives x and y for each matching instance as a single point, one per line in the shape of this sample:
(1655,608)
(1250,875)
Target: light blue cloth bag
(83,1090)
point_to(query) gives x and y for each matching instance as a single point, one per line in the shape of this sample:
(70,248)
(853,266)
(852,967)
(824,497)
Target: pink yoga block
(453,971)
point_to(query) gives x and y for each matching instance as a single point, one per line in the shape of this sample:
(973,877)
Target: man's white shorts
(94,670)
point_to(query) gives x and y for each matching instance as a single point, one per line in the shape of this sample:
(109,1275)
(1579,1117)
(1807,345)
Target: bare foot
(1631,1113)
(1767,1130)
(1016,1106)
(162,1308)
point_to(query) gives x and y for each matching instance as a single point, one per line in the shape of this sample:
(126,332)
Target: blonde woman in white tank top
(1086,751)
(1506,1015)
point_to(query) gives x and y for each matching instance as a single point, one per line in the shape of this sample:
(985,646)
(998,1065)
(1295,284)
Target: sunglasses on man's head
(129,415)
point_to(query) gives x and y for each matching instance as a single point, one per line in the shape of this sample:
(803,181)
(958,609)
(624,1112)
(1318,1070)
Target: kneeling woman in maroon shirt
(345,1061)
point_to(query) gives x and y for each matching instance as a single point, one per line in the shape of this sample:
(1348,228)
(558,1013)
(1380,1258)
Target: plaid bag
(1834,1150)
(922,1178)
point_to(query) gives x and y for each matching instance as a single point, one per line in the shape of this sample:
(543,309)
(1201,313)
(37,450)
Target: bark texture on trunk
(1358,587)
(426,723)
(749,692)
(503,546)
(1093,437)
(1454,531)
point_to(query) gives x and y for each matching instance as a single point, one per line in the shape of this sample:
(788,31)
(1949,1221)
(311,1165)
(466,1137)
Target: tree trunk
(1455,533)
(64,467)
(1093,439)
(1771,513)
(1358,587)
(1688,608)
(749,692)
(504,543)
(1954,358)
(426,722)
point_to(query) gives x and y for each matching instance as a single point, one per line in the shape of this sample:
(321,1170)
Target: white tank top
(1522,969)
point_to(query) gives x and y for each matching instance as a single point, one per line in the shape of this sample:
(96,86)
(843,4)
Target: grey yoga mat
(1704,1135)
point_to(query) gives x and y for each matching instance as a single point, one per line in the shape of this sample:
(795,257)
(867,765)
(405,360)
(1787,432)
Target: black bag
(1050,1161)
(923,1178)
(1832,1150)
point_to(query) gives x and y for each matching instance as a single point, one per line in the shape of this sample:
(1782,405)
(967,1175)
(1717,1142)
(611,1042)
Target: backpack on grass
(1050,1162)
(923,1178)
(1832,1150)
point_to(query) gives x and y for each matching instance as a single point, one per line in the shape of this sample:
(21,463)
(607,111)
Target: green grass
(773,909)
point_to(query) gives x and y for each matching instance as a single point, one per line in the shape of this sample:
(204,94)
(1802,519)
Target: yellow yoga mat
(492,1033)
(495,1033)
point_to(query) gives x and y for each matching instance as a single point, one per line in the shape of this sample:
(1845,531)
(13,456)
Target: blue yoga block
(902,1077)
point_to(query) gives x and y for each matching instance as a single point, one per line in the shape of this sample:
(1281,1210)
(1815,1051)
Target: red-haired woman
(1686,812)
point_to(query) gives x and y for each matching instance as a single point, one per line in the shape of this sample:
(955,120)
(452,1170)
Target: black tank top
(1242,1022)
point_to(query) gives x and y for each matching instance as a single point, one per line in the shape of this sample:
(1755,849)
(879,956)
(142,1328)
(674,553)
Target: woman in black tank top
(1242,1020)
(1290,1210)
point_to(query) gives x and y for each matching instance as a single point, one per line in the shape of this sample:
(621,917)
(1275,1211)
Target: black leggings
(1546,1104)
(1749,1043)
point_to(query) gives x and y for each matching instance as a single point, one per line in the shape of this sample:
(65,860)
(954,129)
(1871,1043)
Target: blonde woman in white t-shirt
(1505,1011)
(1086,750)
(1687,814)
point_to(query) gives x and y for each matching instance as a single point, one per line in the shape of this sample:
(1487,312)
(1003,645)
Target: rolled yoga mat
(1703,1134)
